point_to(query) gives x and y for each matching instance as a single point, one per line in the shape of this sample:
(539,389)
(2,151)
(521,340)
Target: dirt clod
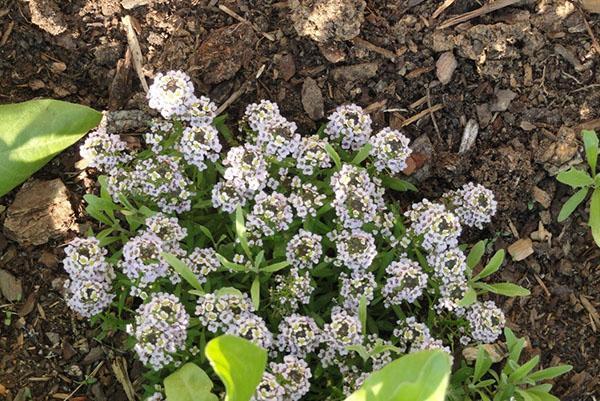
(328,20)
(47,15)
(355,72)
(41,211)
(502,100)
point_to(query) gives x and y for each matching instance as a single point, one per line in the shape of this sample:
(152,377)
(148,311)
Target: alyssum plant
(288,241)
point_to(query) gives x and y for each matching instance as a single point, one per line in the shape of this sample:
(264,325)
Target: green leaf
(482,364)
(590,143)
(550,373)
(230,265)
(469,298)
(33,132)
(571,204)
(542,395)
(397,184)
(594,221)
(362,154)
(334,156)
(520,373)
(360,350)
(183,270)
(506,289)
(239,363)
(255,293)
(476,254)
(240,230)
(362,313)
(189,383)
(420,376)
(575,178)
(492,266)
(275,267)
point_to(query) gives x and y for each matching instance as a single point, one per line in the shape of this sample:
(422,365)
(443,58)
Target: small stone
(521,249)
(286,66)
(54,338)
(484,115)
(94,355)
(527,126)
(312,99)
(68,351)
(502,100)
(327,20)
(357,72)
(131,4)
(422,156)
(41,211)
(224,52)
(10,286)
(445,67)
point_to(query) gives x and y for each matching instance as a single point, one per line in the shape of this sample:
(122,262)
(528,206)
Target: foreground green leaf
(421,376)
(33,132)
(239,363)
(189,383)
(571,204)
(575,178)
(590,143)
(594,221)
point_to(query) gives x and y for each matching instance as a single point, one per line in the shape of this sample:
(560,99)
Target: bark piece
(521,249)
(41,211)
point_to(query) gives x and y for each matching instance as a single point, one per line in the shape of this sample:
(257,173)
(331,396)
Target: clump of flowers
(287,240)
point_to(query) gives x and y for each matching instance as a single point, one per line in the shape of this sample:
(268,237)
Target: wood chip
(592,6)
(136,52)
(591,310)
(542,197)
(417,72)
(469,136)
(521,249)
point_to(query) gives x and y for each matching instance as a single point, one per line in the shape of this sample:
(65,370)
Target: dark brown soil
(540,50)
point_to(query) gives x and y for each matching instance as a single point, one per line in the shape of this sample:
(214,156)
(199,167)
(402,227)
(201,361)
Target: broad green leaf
(189,383)
(421,376)
(527,396)
(590,143)
(469,298)
(183,270)
(542,395)
(397,184)
(239,363)
(594,221)
(240,230)
(492,266)
(523,370)
(550,373)
(334,156)
(575,178)
(476,254)
(33,132)
(255,293)
(362,154)
(482,364)
(228,291)
(506,289)
(571,204)
(275,267)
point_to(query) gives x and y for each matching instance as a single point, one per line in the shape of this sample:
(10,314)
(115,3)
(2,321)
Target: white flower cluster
(304,250)
(406,281)
(350,125)
(354,286)
(298,335)
(160,329)
(439,227)
(390,150)
(475,205)
(450,267)
(287,381)
(343,331)
(355,249)
(312,155)
(172,94)
(104,151)
(414,336)
(91,276)
(486,321)
(291,290)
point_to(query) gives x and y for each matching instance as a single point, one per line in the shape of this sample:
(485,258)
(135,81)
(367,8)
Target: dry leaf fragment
(521,249)
(496,352)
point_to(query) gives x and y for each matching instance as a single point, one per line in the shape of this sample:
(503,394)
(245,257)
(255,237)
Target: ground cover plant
(293,242)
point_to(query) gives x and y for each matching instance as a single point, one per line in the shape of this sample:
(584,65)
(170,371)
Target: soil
(527,74)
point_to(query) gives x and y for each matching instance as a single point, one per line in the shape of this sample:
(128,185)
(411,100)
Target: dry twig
(136,52)
(370,46)
(488,8)
(422,114)
(442,8)
(238,17)
(7,33)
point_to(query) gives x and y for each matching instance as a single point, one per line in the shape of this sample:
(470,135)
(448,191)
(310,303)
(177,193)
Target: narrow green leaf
(526,396)
(362,154)
(275,267)
(397,184)
(571,204)
(492,266)
(183,270)
(590,143)
(230,265)
(575,178)
(542,395)
(550,373)
(362,313)
(239,363)
(520,373)
(420,376)
(360,350)
(240,230)
(255,293)
(189,383)
(594,221)
(506,289)
(334,156)
(33,132)
(469,298)
(482,364)
(476,254)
